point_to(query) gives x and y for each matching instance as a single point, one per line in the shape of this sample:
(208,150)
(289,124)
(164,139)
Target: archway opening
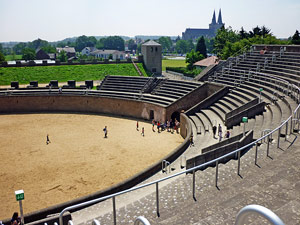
(175,115)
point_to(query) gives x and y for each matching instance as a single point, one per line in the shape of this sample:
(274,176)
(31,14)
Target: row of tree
(228,42)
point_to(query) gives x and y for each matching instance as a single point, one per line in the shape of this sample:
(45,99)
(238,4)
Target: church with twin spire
(195,33)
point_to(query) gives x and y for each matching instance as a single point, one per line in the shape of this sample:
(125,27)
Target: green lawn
(172,63)
(43,74)
(11,57)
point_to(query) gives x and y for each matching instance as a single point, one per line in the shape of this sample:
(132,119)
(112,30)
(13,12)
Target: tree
(181,47)
(166,43)
(255,31)
(114,43)
(2,57)
(28,54)
(223,36)
(84,41)
(100,43)
(49,49)
(63,56)
(132,46)
(201,47)
(209,42)
(1,48)
(265,31)
(38,43)
(243,34)
(18,48)
(296,38)
(193,57)
(190,45)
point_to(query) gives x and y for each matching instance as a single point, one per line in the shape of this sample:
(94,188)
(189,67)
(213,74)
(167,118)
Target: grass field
(43,74)
(11,57)
(172,63)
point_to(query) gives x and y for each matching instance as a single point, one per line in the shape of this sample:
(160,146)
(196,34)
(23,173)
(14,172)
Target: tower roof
(213,21)
(152,43)
(220,17)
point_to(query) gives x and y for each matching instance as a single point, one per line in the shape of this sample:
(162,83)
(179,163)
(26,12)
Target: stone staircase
(274,182)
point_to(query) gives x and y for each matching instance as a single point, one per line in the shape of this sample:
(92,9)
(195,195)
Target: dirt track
(77,162)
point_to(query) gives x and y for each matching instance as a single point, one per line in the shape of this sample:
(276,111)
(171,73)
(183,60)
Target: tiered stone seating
(274,183)
(123,84)
(175,88)
(165,91)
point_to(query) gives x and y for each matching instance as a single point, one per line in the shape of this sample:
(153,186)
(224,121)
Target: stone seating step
(226,106)
(198,124)
(216,206)
(218,112)
(205,122)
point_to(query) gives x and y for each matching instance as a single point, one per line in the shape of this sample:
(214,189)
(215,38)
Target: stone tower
(152,56)
(220,22)
(214,26)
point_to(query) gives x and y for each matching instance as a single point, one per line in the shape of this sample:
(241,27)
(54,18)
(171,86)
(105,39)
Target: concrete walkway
(274,183)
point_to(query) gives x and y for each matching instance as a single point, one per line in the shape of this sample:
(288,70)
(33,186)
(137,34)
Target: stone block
(54,83)
(72,83)
(89,84)
(34,83)
(14,84)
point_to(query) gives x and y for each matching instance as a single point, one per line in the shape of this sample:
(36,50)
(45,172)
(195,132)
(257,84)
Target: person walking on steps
(214,131)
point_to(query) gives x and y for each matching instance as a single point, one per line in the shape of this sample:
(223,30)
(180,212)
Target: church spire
(220,18)
(213,21)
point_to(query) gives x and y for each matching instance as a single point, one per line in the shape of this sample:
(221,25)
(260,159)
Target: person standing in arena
(48,139)
(137,125)
(143,131)
(105,132)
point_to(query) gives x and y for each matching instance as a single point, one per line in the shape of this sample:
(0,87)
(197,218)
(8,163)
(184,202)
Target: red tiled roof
(207,62)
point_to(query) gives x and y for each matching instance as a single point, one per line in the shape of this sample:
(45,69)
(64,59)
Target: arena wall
(90,104)
(81,104)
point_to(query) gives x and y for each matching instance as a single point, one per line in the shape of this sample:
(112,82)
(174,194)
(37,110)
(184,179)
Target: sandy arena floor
(77,162)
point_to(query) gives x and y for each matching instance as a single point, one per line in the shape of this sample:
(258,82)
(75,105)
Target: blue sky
(26,20)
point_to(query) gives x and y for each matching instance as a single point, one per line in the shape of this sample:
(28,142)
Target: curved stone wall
(90,104)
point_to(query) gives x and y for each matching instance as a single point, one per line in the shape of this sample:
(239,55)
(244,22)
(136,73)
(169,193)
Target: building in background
(195,33)
(152,56)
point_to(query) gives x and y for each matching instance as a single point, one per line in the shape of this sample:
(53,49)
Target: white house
(87,50)
(106,53)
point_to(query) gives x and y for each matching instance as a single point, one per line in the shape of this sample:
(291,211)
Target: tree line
(226,43)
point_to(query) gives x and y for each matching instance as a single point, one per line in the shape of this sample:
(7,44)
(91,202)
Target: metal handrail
(257,209)
(70,208)
(142,220)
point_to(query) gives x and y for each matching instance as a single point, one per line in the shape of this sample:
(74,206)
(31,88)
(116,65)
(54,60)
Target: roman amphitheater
(83,178)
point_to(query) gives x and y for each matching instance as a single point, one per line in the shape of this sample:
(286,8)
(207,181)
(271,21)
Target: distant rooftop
(151,42)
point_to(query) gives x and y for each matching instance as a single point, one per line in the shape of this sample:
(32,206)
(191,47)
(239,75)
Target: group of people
(169,125)
(220,132)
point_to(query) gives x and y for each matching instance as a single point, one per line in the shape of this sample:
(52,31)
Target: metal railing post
(217,165)
(286,130)
(278,139)
(239,162)
(194,183)
(291,127)
(157,200)
(268,146)
(114,210)
(256,148)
